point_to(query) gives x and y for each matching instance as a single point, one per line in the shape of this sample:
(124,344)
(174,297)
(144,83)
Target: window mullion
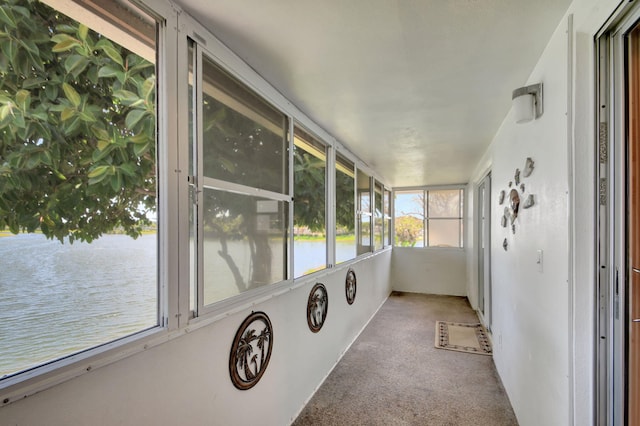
(425,209)
(199,177)
(291,224)
(330,206)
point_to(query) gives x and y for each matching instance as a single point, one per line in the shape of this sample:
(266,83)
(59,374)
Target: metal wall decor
(528,167)
(514,194)
(514,204)
(529,202)
(506,215)
(251,351)
(317,306)
(350,286)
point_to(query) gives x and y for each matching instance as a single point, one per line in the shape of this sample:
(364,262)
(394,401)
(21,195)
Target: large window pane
(444,203)
(310,237)
(345,210)
(440,224)
(242,237)
(244,243)
(364,212)
(409,218)
(378,217)
(244,138)
(78,177)
(387,218)
(444,233)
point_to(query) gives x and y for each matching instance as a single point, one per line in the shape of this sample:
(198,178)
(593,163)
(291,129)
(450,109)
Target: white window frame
(426,189)
(339,150)
(387,236)
(329,218)
(41,377)
(202,183)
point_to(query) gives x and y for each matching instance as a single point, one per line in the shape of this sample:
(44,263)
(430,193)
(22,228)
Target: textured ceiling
(416,88)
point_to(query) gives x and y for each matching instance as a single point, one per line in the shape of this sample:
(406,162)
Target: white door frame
(611,253)
(483,250)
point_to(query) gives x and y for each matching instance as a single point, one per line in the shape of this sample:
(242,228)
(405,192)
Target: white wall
(186,380)
(429,270)
(543,320)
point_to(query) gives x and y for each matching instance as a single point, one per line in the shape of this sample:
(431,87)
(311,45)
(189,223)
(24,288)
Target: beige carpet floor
(393,374)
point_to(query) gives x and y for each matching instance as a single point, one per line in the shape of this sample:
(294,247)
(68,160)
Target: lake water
(58,299)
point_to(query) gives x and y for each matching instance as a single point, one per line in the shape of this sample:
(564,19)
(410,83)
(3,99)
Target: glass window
(78,177)
(364,212)
(387,218)
(430,215)
(240,186)
(244,240)
(244,138)
(193,211)
(409,218)
(445,218)
(309,226)
(378,217)
(345,210)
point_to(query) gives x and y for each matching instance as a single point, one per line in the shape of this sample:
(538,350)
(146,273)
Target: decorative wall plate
(251,351)
(350,286)
(514,203)
(317,306)
(501,197)
(516,177)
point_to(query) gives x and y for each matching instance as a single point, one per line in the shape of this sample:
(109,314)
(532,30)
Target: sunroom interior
(256,150)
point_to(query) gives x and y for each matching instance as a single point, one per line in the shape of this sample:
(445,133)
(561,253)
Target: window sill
(29,382)
(430,248)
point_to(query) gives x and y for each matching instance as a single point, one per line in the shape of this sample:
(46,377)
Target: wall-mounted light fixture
(527,103)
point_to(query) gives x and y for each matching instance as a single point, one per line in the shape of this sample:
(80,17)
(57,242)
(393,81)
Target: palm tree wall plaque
(350,286)
(317,306)
(251,351)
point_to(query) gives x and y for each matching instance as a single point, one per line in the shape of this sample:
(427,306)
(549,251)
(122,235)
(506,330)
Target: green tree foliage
(345,202)
(408,230)
(77,128)
(309,191)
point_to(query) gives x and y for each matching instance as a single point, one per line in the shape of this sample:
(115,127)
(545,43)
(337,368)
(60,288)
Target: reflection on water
(57,299)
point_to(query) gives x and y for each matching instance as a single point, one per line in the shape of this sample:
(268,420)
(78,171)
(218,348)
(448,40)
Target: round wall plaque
(317,306)
(250,351)
(350,286)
